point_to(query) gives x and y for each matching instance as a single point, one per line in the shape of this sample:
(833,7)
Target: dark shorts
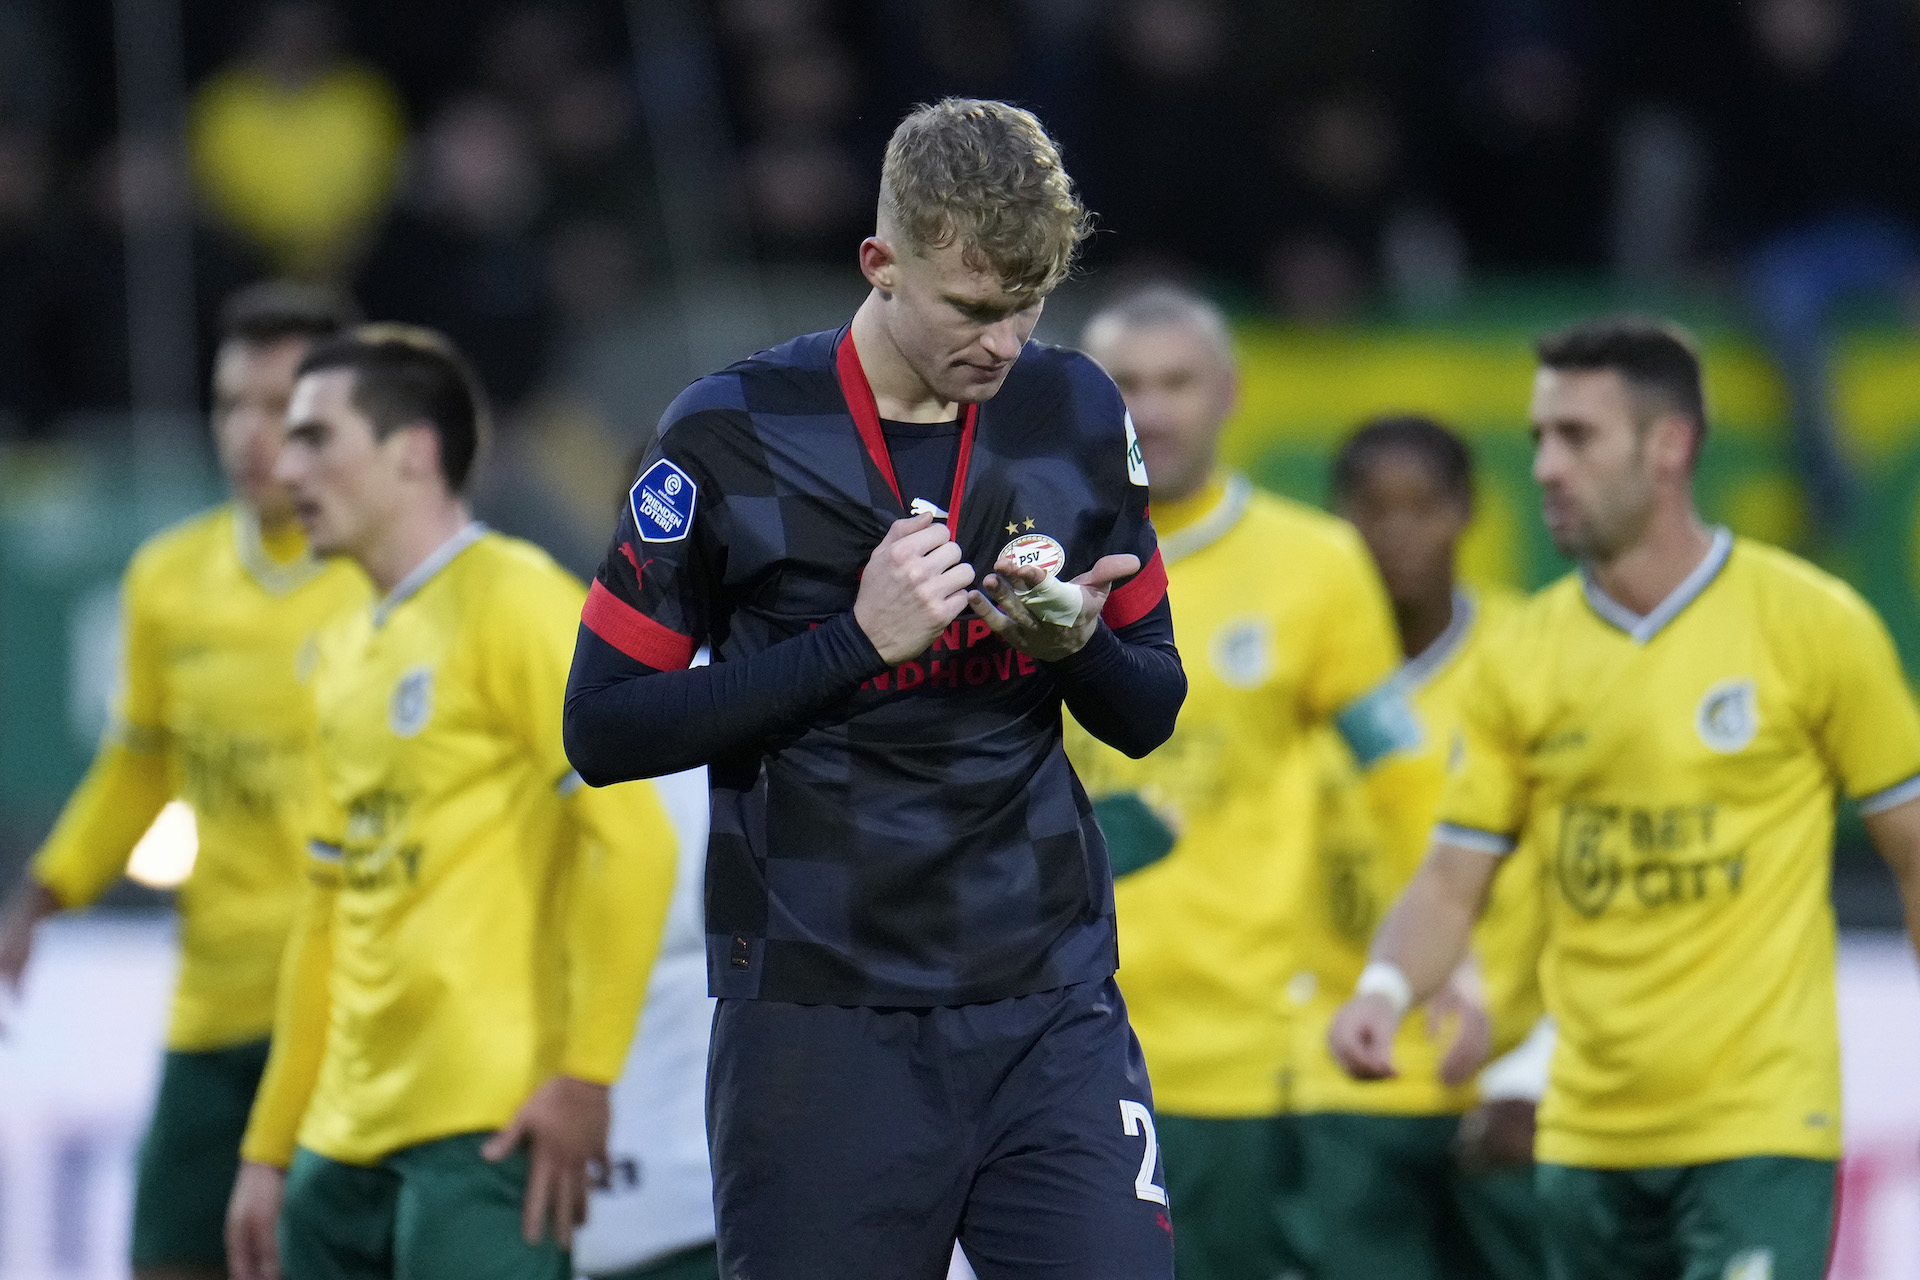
(191,1154)
(436,1211)
(702,1263)
(861,1142)
(1236,1191)
(1388,1198)
(1761,1217)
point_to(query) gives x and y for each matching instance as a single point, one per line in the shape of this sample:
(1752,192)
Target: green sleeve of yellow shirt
(127,785)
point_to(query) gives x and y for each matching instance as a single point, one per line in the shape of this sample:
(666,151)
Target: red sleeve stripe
(633,632)
(1137,597)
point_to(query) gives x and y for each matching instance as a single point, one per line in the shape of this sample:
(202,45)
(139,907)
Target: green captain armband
(1379,724)
(1137,837)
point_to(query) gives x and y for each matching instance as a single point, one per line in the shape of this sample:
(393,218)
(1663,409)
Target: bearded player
(1671,726)
(213,710)
(910,921)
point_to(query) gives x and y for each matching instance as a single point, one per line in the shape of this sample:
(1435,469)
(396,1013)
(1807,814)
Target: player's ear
(879,264)
(419,446)
(1673,442)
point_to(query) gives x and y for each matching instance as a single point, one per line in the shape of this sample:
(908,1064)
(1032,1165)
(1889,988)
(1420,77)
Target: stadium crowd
(513,173)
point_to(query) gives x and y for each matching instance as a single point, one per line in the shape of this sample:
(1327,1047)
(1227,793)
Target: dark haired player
(1215,836)
(1670,727)
(212,711)
(909,909)
(474,941)
(1398,1183)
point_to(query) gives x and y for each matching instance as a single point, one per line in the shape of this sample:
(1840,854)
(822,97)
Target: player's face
(344,482)
(252,383)
(1179,389)
(1596,476)
(1411,522)
(958,328)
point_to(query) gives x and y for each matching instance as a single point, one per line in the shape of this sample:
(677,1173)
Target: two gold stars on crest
(1013,526)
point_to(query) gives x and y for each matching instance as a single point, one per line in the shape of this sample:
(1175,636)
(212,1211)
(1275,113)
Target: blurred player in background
(213,710)
(474,943)
(1389,1192)
(651,1215)
(1670,727)
(1213,836)
(909,909)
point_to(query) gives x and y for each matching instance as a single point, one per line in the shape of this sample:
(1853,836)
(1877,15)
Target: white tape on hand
(1052,601)
(1384,978)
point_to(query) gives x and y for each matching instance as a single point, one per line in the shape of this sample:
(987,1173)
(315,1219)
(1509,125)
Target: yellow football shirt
(214,709)
(478,921)
(1676,774)
(1363,868)
(1285,628)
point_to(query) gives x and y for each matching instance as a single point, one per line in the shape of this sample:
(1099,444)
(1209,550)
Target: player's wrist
(1387,980)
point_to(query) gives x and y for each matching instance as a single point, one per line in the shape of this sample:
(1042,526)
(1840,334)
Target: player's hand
(253,1217)
(997,603)
(24,912)
(1361,1037)
(1460,1001)
(1495,1135)
(564,1125)
(914,585)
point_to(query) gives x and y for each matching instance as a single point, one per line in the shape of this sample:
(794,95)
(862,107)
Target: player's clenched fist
(914,585)
(1362,1036)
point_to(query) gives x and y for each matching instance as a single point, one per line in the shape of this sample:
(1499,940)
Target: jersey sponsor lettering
(1136,461)
(663,501)
(1650,857)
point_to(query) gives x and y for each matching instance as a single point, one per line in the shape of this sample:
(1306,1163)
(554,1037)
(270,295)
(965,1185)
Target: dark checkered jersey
(909,835)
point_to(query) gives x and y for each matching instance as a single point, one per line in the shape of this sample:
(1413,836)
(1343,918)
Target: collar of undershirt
(423,573)
(1211,527)
(1641,628)
(274,577)
(1416,671)
(866,420)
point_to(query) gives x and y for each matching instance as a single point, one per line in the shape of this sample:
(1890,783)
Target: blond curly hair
(984,174)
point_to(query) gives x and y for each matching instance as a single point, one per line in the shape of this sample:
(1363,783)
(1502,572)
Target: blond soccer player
(1671,727)
(213,710)
(478,929)
(1214,836)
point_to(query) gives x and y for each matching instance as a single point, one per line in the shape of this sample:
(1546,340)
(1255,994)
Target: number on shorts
(1137,1120)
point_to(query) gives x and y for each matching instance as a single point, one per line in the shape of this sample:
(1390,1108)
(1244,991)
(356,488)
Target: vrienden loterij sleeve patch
(662,502)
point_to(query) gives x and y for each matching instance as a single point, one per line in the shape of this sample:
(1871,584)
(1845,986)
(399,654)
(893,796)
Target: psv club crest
(1035,551)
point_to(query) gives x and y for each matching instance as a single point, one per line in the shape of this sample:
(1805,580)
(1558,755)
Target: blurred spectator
(1529,168)
(1819,145)
(1175,125)
(294,145)
(78,291)
(806,194)
(23,208)
(462,251)
(1339,163)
